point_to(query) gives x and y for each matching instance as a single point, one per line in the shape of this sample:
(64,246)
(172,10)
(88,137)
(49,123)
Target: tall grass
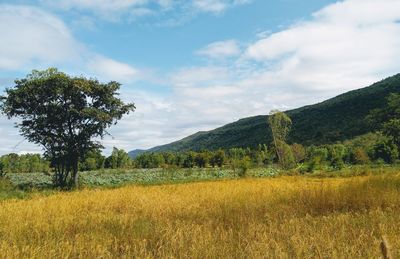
(285,217)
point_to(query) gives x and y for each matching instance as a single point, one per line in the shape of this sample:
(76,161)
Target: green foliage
(280,125)
(385,150)
(149,160)
(316,157)
(287,160)
(299,152)
(118,177)
(392,130)
(387,120)
(64,115)
(201,159)
(118,159)
(2,172)
(94,160)
(218,158)
(28,163)
(391,110)
(360,156)
(244,165)
(261,157)
(188,162)
(336,155)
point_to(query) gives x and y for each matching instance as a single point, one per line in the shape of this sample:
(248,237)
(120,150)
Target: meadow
(282,217)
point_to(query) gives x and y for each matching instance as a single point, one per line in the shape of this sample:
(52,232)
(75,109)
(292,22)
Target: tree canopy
(65,115)
(280,125)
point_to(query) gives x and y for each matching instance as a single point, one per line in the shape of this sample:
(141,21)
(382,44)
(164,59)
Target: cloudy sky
(192,65)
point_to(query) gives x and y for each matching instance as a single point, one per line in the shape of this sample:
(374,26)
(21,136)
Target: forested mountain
(336,119)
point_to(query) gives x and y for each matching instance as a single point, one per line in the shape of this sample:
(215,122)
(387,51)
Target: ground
(281,217)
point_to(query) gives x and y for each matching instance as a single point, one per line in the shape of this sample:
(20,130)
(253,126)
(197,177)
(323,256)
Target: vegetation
(337,119)
(341,198)
(64,114)
(120,177)
(280,125)
(28,163)
(286,217)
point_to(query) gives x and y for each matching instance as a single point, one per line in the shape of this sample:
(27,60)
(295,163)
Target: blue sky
(193,65)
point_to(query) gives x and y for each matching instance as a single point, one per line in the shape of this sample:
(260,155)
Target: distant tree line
(381,147)
(372,148)
(27,163)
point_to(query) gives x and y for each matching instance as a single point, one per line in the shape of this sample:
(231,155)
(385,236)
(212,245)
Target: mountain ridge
(336,119)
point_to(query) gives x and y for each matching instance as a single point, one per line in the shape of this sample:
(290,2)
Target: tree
(287,158)
(316,157)
(360,156)
(391,111)
(299,152)
(201,159)
(336,154)
(260,156)
(218,158)
(94,160)
(392,130)
(2,172)
(385,150)
(387,119)
(189,160)
(64,115)
(280,125)
(118,159)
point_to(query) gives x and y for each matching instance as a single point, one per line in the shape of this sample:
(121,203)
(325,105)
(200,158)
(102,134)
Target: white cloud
(198,76)
(31,36)
(217,6)
(109,69)
(221,49)
(214,6)
(345,45)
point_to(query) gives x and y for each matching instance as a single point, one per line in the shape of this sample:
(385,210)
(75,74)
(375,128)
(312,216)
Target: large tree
(280,125)
(65,115)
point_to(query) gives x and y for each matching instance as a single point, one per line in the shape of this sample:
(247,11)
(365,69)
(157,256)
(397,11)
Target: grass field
(283,217)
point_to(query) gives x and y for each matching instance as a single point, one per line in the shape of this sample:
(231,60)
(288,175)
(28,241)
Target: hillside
(336,119)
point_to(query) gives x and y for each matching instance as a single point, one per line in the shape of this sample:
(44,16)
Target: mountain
(336,119)
(136,152)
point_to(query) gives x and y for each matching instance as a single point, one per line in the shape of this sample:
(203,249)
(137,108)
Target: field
(283,217)
(120,177)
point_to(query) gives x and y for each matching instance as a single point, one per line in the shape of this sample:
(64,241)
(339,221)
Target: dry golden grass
(286,217)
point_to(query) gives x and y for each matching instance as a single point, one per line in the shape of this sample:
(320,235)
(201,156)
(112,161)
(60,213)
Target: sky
(194,65)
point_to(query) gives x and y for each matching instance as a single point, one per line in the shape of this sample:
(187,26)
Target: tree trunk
(75,173)
(76,179)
